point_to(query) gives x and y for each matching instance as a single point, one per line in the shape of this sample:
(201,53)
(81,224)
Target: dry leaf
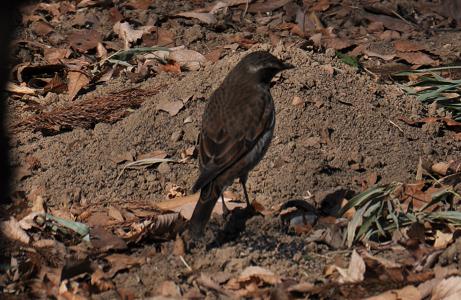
(349,214)
(408,46)
(116,214)
(55,55)
(214,55)
(440,168)
(187,59)
(12,230)
(84,40)
(76,81)
(104,240)
(120,262)
(179,248)
(259,274)
(128,34)
(379,55)
(169,289)
(206,18)
(171,107)
(171,68)
(20,89)
(355,272)
(442,239)
(447,289)
(266,6)
(98,279)
(417,58)
(407,293)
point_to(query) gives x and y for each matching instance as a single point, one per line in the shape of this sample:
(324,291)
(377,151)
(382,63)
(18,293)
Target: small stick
(398,127)
(185,263)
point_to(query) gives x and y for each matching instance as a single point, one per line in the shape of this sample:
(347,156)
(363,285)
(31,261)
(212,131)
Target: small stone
(188,120)
(193,34)
(177,136)
(297,101)
(164,168)
(330,52)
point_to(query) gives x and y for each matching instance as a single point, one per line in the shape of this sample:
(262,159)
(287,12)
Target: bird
(236,131)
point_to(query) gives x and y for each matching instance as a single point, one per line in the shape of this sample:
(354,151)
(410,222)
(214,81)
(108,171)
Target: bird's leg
(243,181)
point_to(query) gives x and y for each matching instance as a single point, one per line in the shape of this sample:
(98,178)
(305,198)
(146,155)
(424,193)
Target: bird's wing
(224,140)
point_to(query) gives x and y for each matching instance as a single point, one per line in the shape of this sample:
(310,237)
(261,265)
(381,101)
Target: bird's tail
(209,194)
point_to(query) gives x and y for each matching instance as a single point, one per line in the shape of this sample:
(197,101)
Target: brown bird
(237,128)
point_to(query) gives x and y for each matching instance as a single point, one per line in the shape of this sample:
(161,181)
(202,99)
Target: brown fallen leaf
(207,18)
(389,22)
(447,289)
(120,262)
(84,40)
(99,279)
(12,230)
(442,239)
(408,293)
(76,81)
(417,58)
(258,274)
(408,46)
(171,68)
(171,107)
(214,55)
(266,6)
(385,57)
(104,240)
(128,34)
(169,289)
(55,55)
(187,59)
(20,89)
(355,272)
(115,214)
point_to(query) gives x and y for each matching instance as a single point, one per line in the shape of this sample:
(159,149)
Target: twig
(398,127)
(185,263)
(246,9)
(401,18)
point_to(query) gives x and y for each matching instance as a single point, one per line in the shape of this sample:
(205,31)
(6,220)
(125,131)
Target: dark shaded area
(8,17)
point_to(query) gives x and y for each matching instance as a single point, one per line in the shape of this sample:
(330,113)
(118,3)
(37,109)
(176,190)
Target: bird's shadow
(233,227)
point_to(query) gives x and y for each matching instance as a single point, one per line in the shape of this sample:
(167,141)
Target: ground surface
(345,134)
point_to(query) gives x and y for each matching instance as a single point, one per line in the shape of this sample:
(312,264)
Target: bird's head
(262,65)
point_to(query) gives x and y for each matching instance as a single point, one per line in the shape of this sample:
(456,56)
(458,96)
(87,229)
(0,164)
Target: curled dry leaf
(128,34)
(76,81)
(355,272)
(20,89)
(442,239)
(12,230)
(258,274)
(447,289)
(187,59)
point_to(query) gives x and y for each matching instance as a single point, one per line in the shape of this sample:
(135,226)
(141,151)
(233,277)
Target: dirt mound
(346,130)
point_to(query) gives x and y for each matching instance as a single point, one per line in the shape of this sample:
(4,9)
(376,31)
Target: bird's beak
(287,66)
